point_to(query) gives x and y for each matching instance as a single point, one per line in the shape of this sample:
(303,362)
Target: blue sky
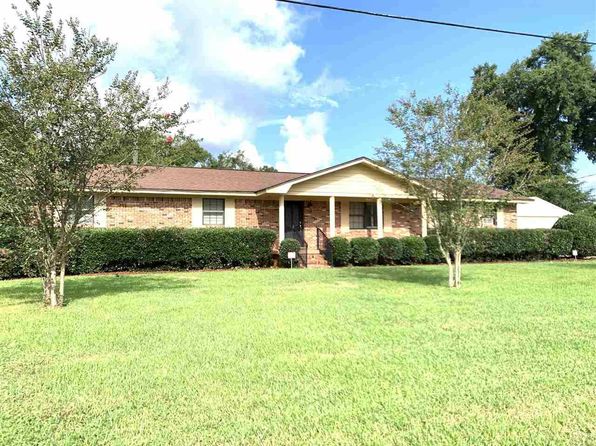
(301,88)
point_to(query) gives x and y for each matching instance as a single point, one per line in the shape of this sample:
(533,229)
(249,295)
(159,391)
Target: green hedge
(100,250)
(365,251)
(433,253)
(391,250)
(130,249)
(583,229)
(414,250)
(516,244)
(340,251)
(288,245)
(486,245)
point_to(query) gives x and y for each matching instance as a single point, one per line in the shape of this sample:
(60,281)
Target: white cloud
(141,28)
(305,149)
(209,119)
(320,92)
(247,41)
(251,153)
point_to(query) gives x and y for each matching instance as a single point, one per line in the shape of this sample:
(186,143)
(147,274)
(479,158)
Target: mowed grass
(384,355)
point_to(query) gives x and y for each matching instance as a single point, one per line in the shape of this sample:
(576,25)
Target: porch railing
(303,259)
(324,246)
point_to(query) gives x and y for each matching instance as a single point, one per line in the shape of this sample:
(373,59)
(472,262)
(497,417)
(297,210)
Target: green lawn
(341,356)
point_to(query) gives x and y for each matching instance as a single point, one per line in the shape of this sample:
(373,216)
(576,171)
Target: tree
(57,132)
(556,87)
(186,151)
(454,148)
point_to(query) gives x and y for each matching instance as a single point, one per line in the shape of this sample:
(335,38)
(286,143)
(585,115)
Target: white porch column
(282,215)
(332,216)
(380,219)
(424,222)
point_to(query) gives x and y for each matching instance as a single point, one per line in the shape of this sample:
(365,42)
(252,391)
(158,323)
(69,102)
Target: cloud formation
(305,149)
(224,58)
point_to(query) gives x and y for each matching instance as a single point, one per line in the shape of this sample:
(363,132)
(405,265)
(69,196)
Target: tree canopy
(62,139)
(555,86)
(453,149)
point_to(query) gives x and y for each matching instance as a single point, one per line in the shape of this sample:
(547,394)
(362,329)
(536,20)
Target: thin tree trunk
(49,288)
(451,271)
(457,282)
(61,288)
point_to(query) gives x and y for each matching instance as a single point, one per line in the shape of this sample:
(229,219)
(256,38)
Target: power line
(415,19)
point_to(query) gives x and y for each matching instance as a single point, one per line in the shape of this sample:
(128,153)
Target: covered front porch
(313,220)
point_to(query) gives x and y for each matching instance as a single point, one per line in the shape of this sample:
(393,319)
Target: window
(489,221)
(363,215)
(213,211)
(87,211)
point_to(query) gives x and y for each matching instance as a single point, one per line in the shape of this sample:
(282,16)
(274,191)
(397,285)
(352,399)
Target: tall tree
(556,87)
(453,149)
(57,132)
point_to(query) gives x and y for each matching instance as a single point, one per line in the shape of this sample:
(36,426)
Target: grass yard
(343,356)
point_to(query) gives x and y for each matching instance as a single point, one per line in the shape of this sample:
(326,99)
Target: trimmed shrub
(515,244)
(365,251)
(414,250)
(339,251)
(391,251)
(130,249)
(433,253)
(583,229)
(288,245)
(14,261)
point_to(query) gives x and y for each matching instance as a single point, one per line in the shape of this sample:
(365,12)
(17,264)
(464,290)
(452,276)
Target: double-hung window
(363,215)
(213,211)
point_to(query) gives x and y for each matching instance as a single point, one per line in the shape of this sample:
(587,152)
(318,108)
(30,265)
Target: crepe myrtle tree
(454,147)
(61,140)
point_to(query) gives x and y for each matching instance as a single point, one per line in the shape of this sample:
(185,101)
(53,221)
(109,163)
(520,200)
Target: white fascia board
(285,187)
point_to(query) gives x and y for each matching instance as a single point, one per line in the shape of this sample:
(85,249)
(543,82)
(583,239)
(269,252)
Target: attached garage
(538,213)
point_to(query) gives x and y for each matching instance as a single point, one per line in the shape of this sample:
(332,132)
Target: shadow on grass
(85,287)
(420,275)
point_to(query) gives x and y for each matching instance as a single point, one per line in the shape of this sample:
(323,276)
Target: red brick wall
(257,214)
(148,212)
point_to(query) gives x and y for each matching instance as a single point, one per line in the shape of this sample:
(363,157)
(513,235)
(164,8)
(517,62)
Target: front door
(294,220)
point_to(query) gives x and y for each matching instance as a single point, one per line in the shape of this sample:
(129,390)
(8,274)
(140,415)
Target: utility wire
(415,19)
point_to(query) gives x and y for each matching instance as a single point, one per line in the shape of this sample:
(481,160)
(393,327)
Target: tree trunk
(457,281)
(49,288)
(451,271)
(61,288)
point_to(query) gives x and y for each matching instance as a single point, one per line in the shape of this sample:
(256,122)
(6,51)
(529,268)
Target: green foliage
(433,252)
(517,244)
(555,87)
(583,229)
(562,190)
(414,250)
(288,245)
(131,249)
(365,251)
(391,250)
(340,251)
(57,128)
(588,211)
(454,148)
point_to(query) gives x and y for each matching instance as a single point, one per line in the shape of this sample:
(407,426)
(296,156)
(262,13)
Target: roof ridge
(226,169)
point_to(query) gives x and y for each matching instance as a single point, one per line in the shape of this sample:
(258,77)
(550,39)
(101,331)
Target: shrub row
(583,228)
(100,250)
(483,245)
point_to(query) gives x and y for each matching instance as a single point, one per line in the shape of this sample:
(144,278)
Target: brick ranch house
(354,199)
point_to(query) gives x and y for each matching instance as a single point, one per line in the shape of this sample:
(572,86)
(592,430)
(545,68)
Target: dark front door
(294,220)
